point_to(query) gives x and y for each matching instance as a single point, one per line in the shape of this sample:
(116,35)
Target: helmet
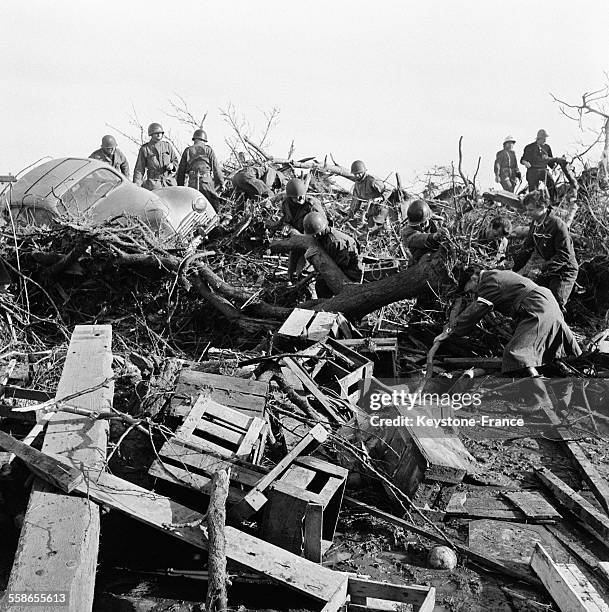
(108,142)
(509,138)
(358,166)
(295,187)
(199,135)
(418,212)
(314,223)
(542,134)
(153,128)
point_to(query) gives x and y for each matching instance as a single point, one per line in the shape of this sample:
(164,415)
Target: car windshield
(89,189)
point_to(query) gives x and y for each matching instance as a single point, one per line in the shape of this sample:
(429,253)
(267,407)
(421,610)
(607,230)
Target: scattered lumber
(160,512)
(478,558)
(59,539)
(372,596)
(255,499)
(533,505)
(304,324)
(569,588)
(594,521)
(465,505)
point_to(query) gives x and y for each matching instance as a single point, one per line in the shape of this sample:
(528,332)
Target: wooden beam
(59,539)
(566,584)
(63,477)
(188,525)
(592,519)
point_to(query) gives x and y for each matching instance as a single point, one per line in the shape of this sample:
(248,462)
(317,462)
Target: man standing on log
(112,155)
(157,159)
(340,247)
(507,173)
(541,334)
(295,207)
(367,190)
(200,163)
(537,158)
(549,237)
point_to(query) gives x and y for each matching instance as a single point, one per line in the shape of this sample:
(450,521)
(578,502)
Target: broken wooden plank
(533,505)
(188,525)
(255,499)
(463,505)
(64,478)
(568,587)
(296,324)
(592,519)
(59,539)
(603,567)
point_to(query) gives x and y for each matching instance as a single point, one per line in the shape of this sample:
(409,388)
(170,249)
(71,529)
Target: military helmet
(314,223)
(295,188)
(418,212)
(358,166)
(108,142)
(542,134)
(200,135)
(155,128)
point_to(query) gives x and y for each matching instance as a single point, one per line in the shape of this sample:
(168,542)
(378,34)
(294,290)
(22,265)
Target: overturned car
(91,189)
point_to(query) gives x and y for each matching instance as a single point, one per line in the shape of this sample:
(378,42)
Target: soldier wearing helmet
(295,207)
(537,158)
(507,173)
(112,155)
(340,247)
(367,189)
(422,234)
(157,160)
(204,172)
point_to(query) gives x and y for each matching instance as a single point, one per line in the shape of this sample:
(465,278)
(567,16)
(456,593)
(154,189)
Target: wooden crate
(371,595)
(312,326)
(383,352)
(345,371)
(303,507)
(376,269)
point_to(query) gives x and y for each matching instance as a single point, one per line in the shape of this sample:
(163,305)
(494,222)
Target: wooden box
(303,507)
(308,325)
(383,352)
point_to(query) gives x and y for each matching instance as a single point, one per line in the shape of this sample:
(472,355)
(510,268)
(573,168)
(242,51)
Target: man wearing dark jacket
(549,237)
(204,172)
(537,158)
(506,166)
(157,160)
(422,234)
(112,155)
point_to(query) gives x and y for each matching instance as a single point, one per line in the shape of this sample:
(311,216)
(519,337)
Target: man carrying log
(367,190)
(295,207)
(340,247)
(157,160)
(549,237)
(204,172)
(507,173)
(541,334)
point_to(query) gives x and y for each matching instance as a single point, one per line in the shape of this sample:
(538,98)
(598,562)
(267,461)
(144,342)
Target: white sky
(394,83)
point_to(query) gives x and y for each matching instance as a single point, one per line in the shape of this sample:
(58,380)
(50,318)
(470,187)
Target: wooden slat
(566,584)
(463,505)
(162,512)
(218,430)
(204,446)
(255,499)
(229,415)
(296,323)
(313,526)
(321,326)
(532,504)
(194,416)
(589,515)
(59,539)
(255,430)
(64,478)
(403,593)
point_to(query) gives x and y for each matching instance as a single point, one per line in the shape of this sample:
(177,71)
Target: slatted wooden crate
(303,506)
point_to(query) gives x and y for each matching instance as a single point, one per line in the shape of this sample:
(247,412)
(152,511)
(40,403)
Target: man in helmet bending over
(340,247)
(204,172)
(295,207)
(112,155)
(422,234)
(157,160)
(367,190)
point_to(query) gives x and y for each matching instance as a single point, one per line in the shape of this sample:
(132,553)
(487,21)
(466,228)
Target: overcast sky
(394,83)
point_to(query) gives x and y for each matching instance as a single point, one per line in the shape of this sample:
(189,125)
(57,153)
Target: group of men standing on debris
(538,307)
